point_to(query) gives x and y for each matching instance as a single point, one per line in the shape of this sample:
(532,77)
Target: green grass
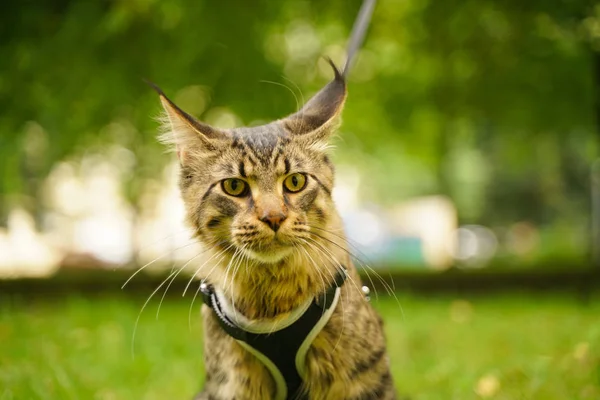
(511,346)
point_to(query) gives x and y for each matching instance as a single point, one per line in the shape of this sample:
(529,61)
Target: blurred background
(467,161)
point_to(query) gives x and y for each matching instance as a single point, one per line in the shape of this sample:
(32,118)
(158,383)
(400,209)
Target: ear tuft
(320,113)
(337,74)
(183,132)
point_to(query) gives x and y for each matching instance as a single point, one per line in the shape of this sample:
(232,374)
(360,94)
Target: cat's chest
(232,368)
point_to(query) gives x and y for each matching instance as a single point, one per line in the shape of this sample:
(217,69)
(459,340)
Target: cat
(260,199)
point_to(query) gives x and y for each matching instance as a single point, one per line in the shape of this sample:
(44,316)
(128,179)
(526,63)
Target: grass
(507,346)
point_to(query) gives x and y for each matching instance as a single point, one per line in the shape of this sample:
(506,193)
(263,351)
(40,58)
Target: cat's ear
(184,132)
(320,115)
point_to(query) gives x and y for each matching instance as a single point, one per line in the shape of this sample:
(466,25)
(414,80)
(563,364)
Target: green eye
(235,187)
(295,182)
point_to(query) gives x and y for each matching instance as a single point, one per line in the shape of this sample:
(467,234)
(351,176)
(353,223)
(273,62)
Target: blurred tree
(495,104)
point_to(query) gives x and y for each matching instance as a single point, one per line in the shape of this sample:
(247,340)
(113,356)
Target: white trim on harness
(260,325)
(301,354)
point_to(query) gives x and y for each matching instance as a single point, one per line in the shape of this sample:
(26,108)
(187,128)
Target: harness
(281,350)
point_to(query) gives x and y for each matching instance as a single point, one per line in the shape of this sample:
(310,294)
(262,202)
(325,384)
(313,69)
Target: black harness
(283,351)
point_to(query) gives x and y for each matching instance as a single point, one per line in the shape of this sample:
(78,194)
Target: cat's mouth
(268,257)
(270,253)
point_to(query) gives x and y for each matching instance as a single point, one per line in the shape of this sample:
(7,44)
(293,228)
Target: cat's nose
(274,220)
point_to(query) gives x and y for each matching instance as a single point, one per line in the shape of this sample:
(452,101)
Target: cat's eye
(235,187)
(295,182)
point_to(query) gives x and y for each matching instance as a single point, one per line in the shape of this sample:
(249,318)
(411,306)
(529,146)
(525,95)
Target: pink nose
(274,220)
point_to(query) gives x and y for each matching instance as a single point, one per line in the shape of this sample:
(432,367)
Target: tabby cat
(260,199)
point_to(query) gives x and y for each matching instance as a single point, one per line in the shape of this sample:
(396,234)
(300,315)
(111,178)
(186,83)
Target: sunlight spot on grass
(487,386)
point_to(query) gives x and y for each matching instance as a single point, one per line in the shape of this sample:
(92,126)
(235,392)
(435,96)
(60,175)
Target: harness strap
(283,352)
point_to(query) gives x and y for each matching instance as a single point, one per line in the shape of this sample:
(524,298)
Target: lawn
(502,346)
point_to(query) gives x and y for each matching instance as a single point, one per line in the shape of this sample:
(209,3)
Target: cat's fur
(267,272)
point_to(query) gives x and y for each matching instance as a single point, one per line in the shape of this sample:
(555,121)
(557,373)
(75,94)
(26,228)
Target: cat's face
(258,192)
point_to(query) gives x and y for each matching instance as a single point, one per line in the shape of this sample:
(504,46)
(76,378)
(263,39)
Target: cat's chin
(272,257)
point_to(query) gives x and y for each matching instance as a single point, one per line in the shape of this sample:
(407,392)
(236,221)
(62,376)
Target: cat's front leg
(231,371)
(202,396)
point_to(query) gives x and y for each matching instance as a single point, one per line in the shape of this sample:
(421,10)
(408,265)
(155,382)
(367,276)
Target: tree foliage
(492,103)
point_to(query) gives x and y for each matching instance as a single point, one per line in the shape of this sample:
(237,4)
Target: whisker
(322,249)
(203,264)
(342,303)
(285,86)
(192,307)
(174,273)
(318,253)
(246,258)
(386,285)
(185,230)
(229,265)
(360,261)
(142,310)
(227,269)
(362,264)
(303,120)
(297,88)
(300,109)
(233,274)
(174,277)
(153,261)
(198,289)
(314,264)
